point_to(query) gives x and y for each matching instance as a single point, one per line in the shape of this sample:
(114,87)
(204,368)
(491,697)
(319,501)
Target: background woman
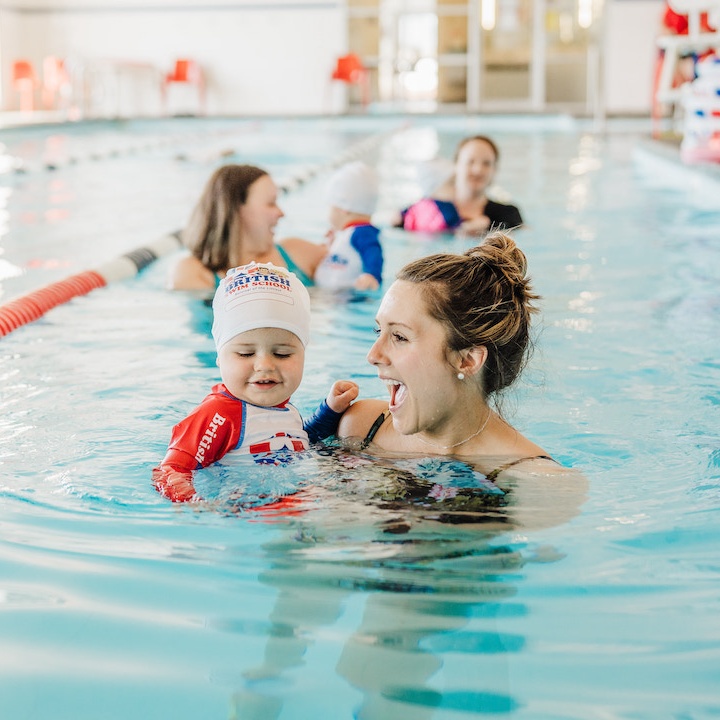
(461,202)
(233,224)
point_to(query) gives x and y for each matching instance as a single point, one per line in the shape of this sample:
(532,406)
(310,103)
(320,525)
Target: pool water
(115,603)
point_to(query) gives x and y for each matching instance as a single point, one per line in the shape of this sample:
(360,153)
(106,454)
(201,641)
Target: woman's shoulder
(505,213)
(360,417)
(189,273)
(300,248)
(302,254)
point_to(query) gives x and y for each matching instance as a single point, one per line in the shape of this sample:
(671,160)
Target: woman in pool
(233,224)
(461,203)
(453,330)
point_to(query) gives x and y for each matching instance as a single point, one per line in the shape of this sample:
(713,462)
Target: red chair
(350,69)
(186,72)
(24,82)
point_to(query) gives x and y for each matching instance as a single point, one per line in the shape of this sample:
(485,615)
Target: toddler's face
(338,218)
(263,367)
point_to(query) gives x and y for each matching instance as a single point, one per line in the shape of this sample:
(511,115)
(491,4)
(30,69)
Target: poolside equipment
(351,70)
(701,37)
(701,103)
(188,73)
(25,83)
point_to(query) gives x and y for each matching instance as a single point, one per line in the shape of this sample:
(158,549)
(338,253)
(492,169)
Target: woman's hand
(473,228)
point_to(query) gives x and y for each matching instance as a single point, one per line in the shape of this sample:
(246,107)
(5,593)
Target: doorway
(480,55)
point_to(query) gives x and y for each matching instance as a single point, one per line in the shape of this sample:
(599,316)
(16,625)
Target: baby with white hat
(355,257)
(261,326)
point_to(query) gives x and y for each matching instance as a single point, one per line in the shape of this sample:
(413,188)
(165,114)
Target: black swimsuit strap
(373,429)
(492,476)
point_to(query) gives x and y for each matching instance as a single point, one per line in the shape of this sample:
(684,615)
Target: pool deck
(17,119)
(667,149)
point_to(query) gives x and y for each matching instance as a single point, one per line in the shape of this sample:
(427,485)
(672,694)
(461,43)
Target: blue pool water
(115,603)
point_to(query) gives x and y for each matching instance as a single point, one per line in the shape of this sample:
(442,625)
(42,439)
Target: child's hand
(341,395)
(366,281)
(174,484)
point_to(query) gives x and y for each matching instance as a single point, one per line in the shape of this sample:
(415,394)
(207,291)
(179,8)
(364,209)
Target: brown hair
(212,224)
(482,297)
(480,138)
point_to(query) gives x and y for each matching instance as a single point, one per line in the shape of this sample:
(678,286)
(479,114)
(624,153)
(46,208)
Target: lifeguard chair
(699,36)
(187,73)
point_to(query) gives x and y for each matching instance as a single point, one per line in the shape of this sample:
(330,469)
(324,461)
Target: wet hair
(482,297)
(213,221)
(480,138)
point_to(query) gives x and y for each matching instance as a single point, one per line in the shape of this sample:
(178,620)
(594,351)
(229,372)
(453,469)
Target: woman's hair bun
(502,253)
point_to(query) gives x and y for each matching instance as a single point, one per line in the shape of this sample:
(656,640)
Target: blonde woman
(461,203)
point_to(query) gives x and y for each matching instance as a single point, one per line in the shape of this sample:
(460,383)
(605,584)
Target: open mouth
(398,393)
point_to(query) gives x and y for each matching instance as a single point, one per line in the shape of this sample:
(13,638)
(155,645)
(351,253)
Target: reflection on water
(428,567)
(424,594)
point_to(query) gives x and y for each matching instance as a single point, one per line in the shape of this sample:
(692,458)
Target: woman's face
(474,168)
(411,357)
(259,216)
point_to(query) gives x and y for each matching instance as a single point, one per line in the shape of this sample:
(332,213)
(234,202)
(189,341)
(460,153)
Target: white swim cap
(260,295)
(354,187)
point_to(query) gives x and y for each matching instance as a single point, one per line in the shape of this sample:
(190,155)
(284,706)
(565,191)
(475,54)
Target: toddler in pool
(355,256)
(261,325)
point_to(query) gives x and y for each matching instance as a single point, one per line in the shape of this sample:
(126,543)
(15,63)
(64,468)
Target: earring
(461,376)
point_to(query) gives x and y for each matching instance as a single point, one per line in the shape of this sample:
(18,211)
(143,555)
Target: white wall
(630,54)
(10,49)
(260,58)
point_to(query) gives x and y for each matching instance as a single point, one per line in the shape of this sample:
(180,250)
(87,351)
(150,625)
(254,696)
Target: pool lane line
(355,152)
(32,306)
(18,166)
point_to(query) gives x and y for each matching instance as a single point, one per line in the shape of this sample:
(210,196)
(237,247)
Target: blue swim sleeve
(366,240)
(323,423)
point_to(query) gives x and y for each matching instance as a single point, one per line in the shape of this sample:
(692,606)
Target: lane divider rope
(32,306)
(54,161)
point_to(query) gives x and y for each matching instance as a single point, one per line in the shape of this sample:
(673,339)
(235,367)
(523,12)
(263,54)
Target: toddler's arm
(203,437)
(341,395)
(325,420)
